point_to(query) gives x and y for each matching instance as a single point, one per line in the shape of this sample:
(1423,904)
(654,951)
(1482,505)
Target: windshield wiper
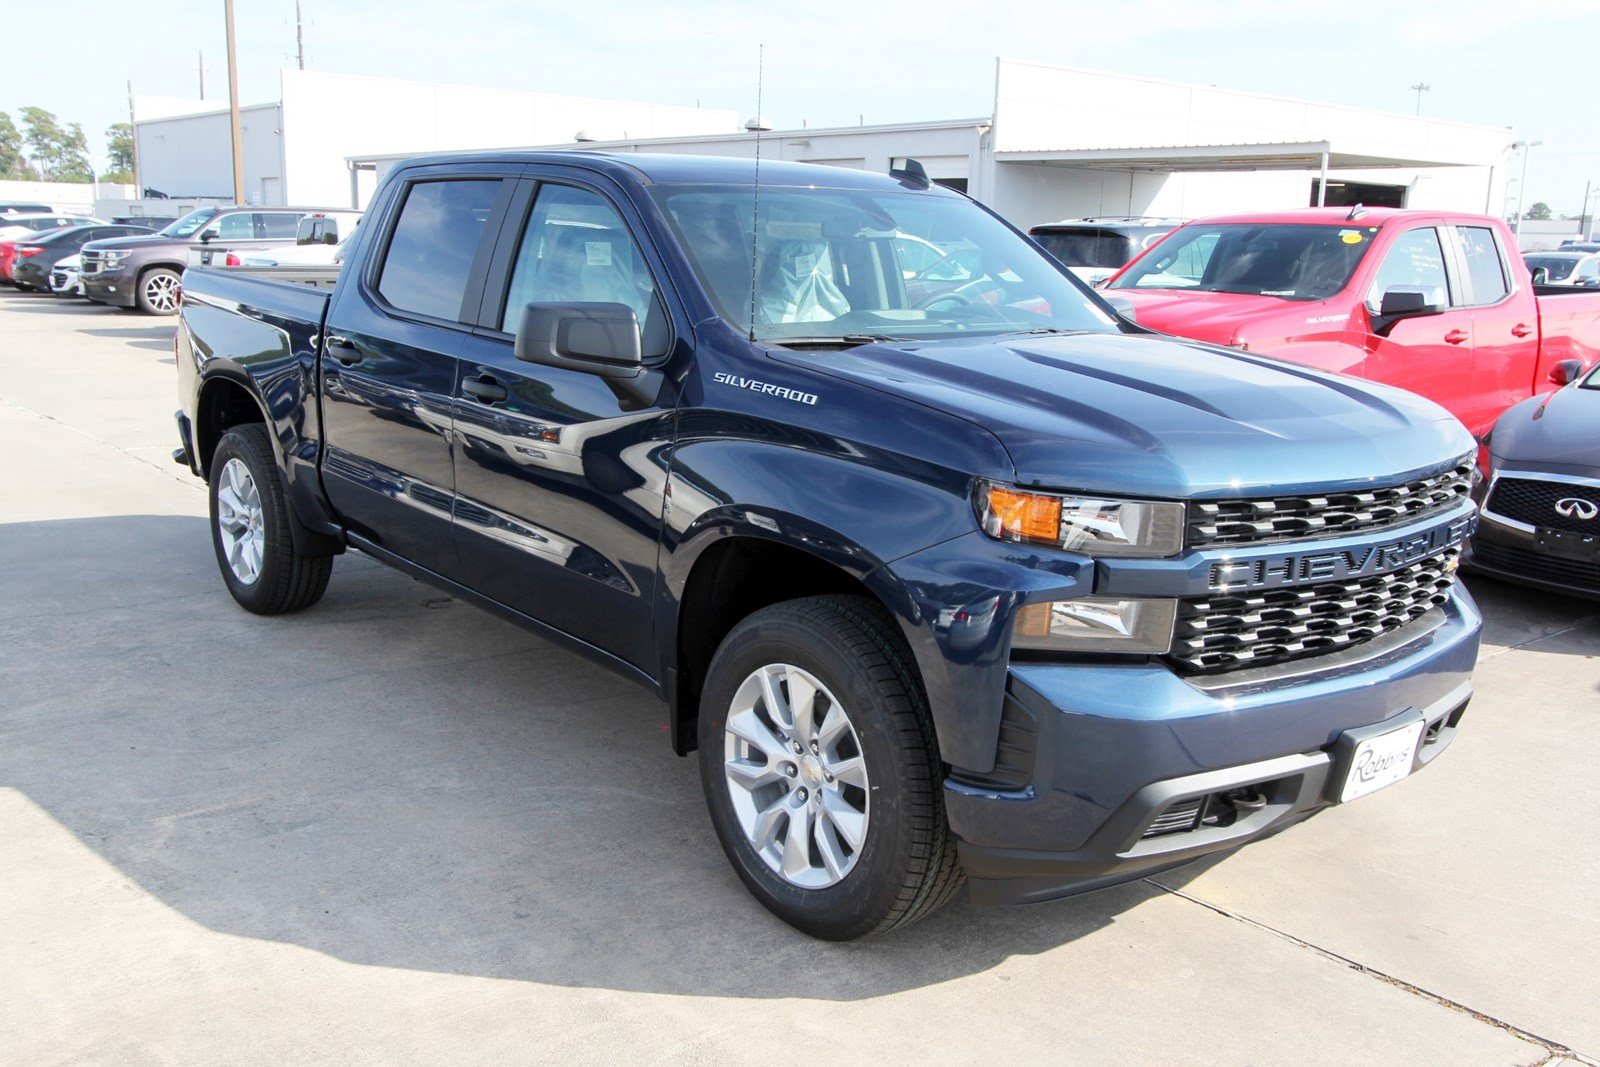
(848,340)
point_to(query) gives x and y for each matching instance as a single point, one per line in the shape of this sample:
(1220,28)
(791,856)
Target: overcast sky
(1493,62)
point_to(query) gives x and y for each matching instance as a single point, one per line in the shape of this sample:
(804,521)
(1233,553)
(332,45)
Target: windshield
(851,265)
(190,222)
(1556,268)
(1087,248)
(1291,261)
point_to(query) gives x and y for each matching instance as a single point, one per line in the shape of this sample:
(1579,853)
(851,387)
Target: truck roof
(668,169)
(1340,216)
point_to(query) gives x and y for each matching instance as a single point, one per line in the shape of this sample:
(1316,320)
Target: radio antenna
(755,205)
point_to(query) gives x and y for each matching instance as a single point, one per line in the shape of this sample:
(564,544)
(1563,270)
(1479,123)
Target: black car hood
(1139,414)
(145,241)
(1558,432)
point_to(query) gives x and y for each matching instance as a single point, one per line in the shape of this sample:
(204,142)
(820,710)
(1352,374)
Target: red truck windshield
(1291,261)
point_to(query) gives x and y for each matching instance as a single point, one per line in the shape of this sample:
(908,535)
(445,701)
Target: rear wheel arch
(223,404)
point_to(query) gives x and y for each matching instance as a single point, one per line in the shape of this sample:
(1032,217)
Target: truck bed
(1569,328)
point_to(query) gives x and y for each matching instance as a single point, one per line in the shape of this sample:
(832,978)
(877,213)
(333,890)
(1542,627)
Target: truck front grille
(1288,518)
(1230,631)
(89,263)
(1533,501)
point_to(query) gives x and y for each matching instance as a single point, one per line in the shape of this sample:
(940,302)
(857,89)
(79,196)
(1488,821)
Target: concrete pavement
(394,829)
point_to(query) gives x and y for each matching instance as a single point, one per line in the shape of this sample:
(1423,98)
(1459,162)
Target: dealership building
(1141,147)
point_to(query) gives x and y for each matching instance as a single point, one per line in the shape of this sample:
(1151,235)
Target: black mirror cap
(1400,301)
(597,338)
(1540,276)
(1567,371)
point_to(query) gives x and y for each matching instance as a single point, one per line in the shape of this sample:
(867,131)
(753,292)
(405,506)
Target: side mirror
(1540,276)
(1121,304)
(1566,371)
(1406,302)
(597,338)
(207,236)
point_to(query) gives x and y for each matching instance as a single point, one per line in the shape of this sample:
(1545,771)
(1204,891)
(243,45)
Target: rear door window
(1486,274)
(433,244)
(278,225)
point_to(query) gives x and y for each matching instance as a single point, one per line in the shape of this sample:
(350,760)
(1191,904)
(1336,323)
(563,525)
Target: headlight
(1096,624)
(112,259)
(1093,526)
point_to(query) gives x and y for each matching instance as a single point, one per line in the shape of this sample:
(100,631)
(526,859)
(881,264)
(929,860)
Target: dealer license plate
(1381,761)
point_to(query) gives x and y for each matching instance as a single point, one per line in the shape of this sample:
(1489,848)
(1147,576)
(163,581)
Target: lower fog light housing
(1096,624)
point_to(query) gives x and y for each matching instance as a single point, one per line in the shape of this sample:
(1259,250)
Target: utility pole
(133,130)
(299,37)
(1583,216)
(1419,89)
(233,106)
(202,75)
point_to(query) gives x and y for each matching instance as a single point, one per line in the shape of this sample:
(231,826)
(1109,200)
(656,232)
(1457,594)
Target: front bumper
(1116,747)
(1506,549)
(108,288)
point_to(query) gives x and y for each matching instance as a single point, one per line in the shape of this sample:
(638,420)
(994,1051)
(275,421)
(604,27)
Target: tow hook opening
(1212,810)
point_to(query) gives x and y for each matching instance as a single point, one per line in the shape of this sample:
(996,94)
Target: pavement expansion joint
(1555,1051)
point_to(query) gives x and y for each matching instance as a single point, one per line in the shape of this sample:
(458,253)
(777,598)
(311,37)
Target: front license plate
(1381,761)
(1564,544)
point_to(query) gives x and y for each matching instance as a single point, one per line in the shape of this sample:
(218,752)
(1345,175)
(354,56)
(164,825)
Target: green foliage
(1539,212)
(12,163)
(119,148)
(58,154)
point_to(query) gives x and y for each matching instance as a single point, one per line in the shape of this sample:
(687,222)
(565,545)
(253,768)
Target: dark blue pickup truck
(946,574)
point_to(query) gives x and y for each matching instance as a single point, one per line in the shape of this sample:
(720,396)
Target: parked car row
(128,265)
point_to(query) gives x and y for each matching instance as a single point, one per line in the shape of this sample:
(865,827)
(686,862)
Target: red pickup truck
(1435,302)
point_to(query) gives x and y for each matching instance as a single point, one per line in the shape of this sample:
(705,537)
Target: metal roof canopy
(1303,155)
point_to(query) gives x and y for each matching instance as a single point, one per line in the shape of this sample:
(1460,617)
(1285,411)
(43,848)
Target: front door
(560,480)
(1431,354)
(1505,328)
(389,363)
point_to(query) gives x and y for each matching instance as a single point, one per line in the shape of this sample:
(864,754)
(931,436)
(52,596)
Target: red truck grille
(1291,518)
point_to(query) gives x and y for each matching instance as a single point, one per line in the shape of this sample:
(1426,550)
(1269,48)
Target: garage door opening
(1371,194)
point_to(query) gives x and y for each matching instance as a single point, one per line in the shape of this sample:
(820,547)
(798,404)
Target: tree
(12,163)
(61,155)
(1539,212)
(119,154)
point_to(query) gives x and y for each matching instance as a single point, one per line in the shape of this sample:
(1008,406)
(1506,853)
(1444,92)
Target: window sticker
(598,253)
(793,231)
(1351,237)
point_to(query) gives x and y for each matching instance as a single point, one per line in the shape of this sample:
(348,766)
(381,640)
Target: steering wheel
(928,303)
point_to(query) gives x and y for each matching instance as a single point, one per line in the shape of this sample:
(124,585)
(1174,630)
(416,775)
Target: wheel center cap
(811,767)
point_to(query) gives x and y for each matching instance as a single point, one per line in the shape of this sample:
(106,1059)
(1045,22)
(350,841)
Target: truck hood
(149,240)
(1220,317)
(1558,431)
(1126,414)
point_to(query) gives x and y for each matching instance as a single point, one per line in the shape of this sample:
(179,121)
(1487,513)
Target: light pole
(1419,89)
(1522,182)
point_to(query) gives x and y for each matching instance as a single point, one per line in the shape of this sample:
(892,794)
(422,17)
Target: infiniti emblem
(1573,507)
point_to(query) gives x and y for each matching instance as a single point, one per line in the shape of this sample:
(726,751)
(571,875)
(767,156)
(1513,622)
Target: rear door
(1505,326)
(1431,354)
(388,359)
(560,481)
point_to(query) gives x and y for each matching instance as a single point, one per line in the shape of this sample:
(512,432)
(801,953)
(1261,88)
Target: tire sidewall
(234,445)
(854,906)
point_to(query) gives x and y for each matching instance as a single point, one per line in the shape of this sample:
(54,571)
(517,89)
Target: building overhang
(1287,155)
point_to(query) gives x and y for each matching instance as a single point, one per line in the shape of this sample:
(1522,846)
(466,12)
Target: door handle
(1521,329)
(344,350)
(485,389)
(1455,337)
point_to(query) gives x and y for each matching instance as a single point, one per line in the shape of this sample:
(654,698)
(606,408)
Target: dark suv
(143,272)
(1095,249)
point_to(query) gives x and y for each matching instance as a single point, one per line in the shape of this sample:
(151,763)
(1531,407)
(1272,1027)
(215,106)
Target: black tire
(906,867)
(146,294)
(286,580)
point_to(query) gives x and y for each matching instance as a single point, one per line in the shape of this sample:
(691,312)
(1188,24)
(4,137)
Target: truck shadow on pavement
(397,779)
(154,338)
